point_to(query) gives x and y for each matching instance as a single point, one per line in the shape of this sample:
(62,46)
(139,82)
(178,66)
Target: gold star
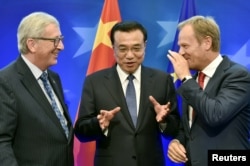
(174,76)
(102,35)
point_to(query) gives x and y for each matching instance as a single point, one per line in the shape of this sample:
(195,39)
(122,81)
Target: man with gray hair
(35,126)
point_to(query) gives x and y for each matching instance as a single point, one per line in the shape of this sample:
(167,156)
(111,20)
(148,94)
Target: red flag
(102,57)
(102,54)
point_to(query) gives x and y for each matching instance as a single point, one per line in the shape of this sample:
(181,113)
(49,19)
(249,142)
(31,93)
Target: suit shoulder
(8,70)
(237,68)
(53,73)
(100,73)
(155,71)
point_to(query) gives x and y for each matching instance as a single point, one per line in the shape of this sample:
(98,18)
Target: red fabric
(102,57)
(201,78)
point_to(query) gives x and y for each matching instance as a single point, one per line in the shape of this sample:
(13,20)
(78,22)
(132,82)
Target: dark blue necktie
(48,88)
(131,98)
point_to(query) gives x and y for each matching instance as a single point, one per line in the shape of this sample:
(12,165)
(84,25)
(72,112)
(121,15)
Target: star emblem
(170,28)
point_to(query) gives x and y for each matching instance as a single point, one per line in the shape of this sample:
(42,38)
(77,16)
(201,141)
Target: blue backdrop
(79,20)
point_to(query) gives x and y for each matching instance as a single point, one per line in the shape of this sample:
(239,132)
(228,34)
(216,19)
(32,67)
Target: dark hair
(127,26)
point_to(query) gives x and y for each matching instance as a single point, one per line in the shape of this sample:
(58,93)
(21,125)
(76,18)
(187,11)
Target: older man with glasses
(35,126)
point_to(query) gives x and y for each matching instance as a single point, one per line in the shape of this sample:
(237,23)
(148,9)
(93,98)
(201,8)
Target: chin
(54,62)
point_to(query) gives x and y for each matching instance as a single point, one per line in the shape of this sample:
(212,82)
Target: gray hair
(33,25)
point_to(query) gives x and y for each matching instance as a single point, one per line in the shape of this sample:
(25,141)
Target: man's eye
(122,49)
(137,49)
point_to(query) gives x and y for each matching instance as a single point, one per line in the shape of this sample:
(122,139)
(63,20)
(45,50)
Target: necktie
(48,88)
(131,99)
(201,78)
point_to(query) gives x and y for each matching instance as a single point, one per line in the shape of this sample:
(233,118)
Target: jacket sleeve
(8,123)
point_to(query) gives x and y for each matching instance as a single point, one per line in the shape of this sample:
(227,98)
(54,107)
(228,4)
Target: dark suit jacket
(222,112)
(126,145)
(30,132)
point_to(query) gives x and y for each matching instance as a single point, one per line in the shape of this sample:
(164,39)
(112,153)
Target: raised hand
(105,116)
(161,110)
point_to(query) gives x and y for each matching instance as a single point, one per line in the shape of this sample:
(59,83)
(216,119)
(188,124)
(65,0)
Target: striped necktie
(60,116)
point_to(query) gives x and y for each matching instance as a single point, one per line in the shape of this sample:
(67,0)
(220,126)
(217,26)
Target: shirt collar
(123,76)
(211,68)
(34,69)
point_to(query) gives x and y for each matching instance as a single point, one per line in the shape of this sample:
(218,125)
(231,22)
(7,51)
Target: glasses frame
(56,40)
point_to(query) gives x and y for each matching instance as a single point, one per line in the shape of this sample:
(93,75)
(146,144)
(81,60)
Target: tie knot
(44,76)
(131,77)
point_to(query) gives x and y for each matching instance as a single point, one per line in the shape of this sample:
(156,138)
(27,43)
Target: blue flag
(188,10)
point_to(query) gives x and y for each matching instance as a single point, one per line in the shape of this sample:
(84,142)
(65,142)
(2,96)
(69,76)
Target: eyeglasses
(135,49)
(55,40)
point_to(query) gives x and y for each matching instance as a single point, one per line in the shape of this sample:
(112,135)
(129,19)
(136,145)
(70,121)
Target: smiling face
(45,52)
(129,49)
(195,52)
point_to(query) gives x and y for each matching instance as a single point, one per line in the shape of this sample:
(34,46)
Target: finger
(110,114)
(181,147)
(170,53)
(173,158)
(103,112)
(115,110)
(175,153)
(160,117)
(181,153)
(176,159)
(153,101)
(170,56)
(99,117)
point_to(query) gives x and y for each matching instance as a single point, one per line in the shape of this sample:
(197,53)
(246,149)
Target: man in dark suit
(216,115)
(30,131)
(124,139)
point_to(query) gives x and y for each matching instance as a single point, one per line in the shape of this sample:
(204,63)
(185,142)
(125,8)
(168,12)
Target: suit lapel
(225,64)
(113,84)
(55,85)
(146,86)
(213,82)
(32,86)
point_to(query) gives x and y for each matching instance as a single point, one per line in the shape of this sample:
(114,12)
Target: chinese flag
(102,57)
(102,52)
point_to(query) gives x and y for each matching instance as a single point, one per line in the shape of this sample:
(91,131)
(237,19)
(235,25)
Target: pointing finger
(153,101)
(115,110)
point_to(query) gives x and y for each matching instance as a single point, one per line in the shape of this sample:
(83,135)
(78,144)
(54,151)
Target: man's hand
(177,152)
(161,110)
(105,116)
(180,64)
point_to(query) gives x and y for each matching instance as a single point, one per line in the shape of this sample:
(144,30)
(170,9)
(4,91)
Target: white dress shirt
(137,82)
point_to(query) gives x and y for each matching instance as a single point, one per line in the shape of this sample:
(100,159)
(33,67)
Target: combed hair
(203,27)
(128,26)
(33,25)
